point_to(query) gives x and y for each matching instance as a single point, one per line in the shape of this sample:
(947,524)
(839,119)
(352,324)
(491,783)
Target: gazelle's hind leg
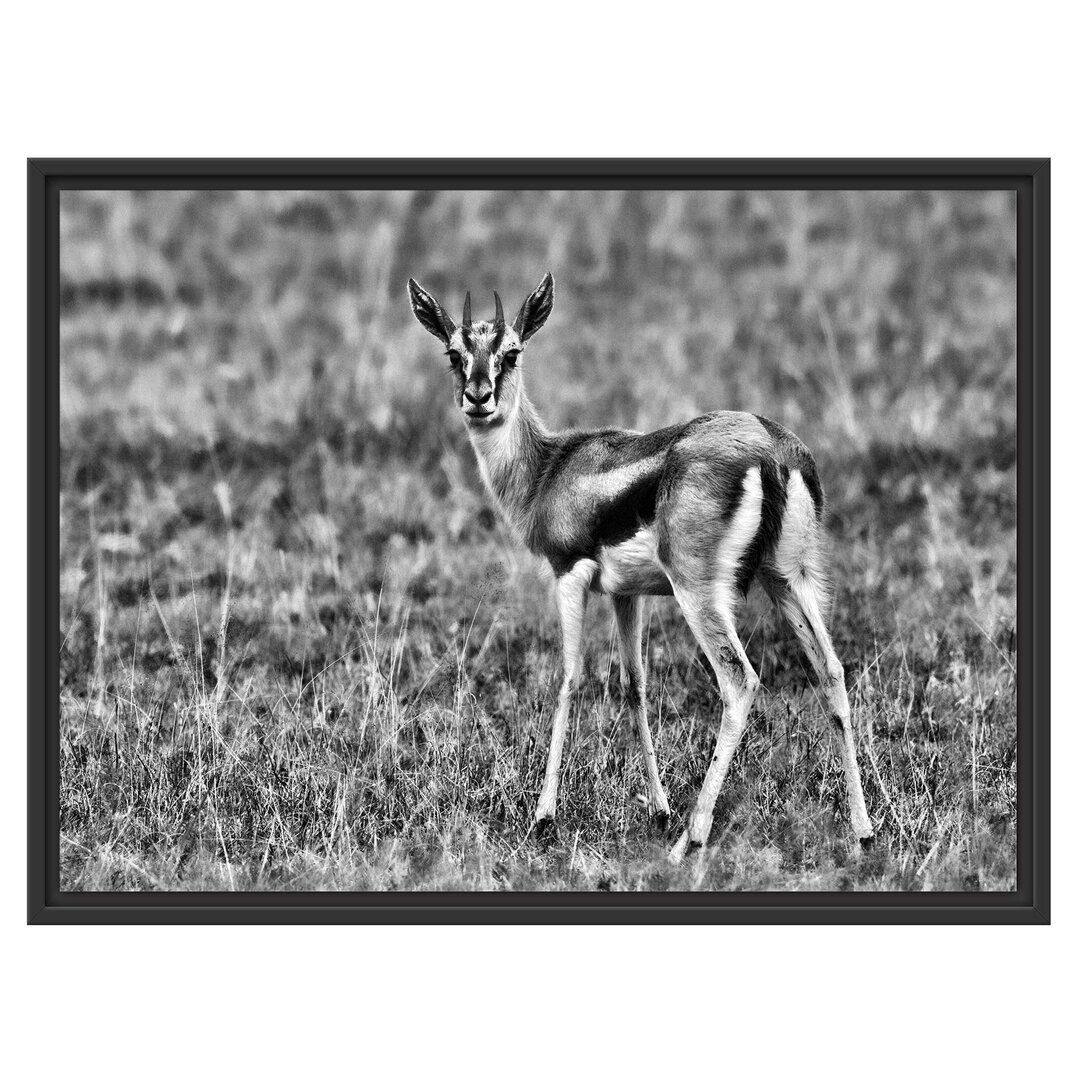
(796,582)
(714,627)
(628,623)
(801,604)
(704,569)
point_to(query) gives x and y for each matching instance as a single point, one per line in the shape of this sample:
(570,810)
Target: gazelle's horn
(466,315)
(500,322)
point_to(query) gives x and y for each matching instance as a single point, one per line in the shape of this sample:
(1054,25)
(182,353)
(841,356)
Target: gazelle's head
(484,355)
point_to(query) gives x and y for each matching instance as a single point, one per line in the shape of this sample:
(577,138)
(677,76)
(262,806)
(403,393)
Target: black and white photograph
(538,540)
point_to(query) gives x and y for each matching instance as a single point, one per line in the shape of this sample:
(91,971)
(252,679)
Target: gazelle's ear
(536,309)
(430,314)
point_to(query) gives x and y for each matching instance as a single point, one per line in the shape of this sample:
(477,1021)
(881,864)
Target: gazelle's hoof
(867,842)
(545,830)
(659,812)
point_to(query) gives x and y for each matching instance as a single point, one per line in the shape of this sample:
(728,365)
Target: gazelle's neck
(511,456)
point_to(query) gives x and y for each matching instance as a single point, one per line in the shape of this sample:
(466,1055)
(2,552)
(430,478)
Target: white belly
(632,568)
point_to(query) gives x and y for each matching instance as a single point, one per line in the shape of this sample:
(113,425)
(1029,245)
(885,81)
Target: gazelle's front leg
(571,591)
(628,623)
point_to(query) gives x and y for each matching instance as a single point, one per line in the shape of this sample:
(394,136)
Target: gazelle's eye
(510,357)
(455,358)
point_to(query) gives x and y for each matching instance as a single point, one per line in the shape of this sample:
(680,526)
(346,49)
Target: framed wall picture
(539,540)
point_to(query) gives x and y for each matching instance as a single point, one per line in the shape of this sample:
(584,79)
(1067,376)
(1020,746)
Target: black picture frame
(1029,178)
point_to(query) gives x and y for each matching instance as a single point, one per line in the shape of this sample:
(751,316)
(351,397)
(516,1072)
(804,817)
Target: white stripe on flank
(741,529)
(612,482)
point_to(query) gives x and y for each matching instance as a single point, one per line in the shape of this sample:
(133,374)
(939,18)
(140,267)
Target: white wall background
(562,79)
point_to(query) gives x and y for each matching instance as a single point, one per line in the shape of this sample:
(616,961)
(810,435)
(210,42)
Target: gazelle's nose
(478,398)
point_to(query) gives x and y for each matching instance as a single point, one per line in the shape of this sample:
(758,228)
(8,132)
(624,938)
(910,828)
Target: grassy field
(301,652)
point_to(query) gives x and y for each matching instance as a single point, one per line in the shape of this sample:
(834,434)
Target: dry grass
(299,651)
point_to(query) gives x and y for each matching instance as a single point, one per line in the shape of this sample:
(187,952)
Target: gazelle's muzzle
(478,400)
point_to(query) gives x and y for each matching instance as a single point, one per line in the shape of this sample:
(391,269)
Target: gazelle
(696,510)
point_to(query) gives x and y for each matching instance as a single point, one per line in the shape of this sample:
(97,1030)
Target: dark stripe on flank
(609,523)
(773,501)
(628,512)
(587,520)
(721,479)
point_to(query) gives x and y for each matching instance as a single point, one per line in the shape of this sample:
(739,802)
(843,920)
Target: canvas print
(527,540)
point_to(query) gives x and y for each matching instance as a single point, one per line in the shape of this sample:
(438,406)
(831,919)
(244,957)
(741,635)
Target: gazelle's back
(619,497)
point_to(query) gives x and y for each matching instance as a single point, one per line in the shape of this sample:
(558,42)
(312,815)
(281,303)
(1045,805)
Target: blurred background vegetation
(272,529)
